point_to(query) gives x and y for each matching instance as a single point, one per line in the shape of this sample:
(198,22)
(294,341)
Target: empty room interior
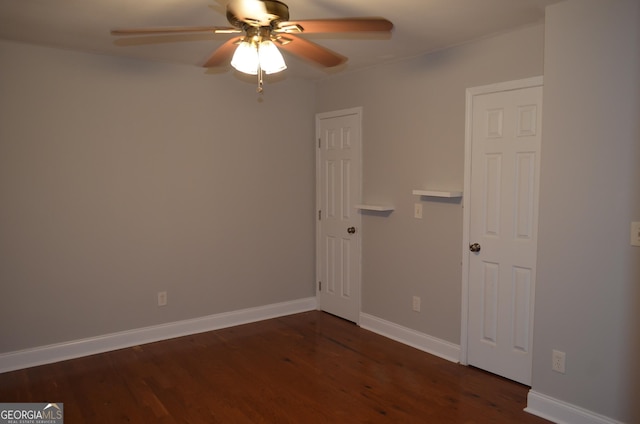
(145,198)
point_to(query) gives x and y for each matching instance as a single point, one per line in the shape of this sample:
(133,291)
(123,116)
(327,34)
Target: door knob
(351,230)
(475,247)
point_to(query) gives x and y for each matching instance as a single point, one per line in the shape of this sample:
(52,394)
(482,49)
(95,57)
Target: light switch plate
(417,210)
(635,234)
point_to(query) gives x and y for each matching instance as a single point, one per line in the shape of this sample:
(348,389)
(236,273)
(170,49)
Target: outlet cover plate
(635,234)
(162,298)
(558,361)
(416,304)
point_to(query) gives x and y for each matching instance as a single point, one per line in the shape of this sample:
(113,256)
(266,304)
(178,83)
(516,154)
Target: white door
(338,230)
(505,133)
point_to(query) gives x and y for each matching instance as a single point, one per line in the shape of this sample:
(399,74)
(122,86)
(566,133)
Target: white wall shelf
(376,208)
(437,193)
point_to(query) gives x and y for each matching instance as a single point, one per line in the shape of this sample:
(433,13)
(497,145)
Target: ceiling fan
(265,24)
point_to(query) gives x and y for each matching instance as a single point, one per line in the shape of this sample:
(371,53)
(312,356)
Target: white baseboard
(561,412)
(62,351)
(426,343)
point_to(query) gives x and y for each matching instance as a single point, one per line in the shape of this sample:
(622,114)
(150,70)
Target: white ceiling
(420,26)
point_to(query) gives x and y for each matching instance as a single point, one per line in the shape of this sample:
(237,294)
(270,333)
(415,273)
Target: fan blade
(169,30)
(312,26)
(223,54)
(312,51)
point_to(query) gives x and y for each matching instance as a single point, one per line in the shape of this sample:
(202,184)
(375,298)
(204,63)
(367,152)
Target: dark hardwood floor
(304,368)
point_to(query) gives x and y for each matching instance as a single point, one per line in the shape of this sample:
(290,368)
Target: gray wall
(121,178)
(587,297)
(413,137)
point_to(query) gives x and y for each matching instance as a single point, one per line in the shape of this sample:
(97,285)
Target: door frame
(466,199)
(357,216)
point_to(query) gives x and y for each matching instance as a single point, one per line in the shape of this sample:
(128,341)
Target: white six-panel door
(503,218)
(338,230)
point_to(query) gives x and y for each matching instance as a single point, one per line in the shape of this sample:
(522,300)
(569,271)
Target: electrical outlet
(417,210)
(162,298)
(635,234)
(558,361)
(416,304)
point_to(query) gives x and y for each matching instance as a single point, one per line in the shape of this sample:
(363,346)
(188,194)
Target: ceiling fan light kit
(264,23)
(257,52)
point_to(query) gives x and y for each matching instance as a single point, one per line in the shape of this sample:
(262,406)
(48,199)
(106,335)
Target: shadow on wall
(634,308)
(634,392)
(635,274)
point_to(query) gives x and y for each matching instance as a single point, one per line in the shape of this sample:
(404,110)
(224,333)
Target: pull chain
(260,82)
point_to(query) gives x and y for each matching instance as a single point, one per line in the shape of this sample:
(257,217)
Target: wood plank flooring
(304,368)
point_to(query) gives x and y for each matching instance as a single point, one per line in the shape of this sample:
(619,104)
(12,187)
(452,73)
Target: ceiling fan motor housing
(276,11)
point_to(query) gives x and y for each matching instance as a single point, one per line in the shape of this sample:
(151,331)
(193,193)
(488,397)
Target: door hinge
(319,285)
(319,143)
(320,215)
